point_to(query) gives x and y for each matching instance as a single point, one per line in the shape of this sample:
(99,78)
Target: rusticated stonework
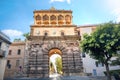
(53,30)
(38,59)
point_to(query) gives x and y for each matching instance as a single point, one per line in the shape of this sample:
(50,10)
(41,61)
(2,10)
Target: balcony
(2,53)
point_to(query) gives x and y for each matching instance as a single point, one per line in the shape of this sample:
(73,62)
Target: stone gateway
(53,33)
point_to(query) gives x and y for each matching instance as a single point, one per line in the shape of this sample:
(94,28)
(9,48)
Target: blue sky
(16,16)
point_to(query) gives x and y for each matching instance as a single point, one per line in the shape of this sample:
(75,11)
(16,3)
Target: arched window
(38,17)
(62,33)
(45,17)
(67,17)
(45,34)
(53,17)
(60,17)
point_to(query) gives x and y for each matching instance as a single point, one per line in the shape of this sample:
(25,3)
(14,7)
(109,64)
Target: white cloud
(114,7)
(12,33)
(68,1)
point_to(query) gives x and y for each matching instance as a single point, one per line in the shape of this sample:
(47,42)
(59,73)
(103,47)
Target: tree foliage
(26,35)
(116,61)
(59,65)
(17,39)
(102,43)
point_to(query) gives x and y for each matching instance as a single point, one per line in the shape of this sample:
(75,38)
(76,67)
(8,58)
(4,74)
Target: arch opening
(55,63)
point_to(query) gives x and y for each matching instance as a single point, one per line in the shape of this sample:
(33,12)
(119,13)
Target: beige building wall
(16,59)
(54,31)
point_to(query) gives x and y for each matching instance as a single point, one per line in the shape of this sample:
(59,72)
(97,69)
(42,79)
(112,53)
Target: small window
(78,33)
(45,33)
(17,62)
(8,64)
(38,17)
(99,64)
(19,52)
(10,52)
(62,34)
(96,63)
(8,61)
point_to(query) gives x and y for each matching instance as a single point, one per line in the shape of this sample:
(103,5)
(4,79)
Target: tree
(103,43)
(59,65)
(17,39)
(117,61)
(26,35)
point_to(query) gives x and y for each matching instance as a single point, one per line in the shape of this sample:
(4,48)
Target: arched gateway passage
(39,64)
(55,63)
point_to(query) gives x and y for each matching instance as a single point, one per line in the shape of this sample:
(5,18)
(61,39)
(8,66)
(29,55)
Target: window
(19,52)
(17,62)
(62,34)
(8,64)
(45,33)
(38,17)
(78,33)
(10,52)
(99,64)
(8,61)
(45,17)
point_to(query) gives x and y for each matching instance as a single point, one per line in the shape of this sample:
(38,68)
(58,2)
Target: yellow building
(53,33)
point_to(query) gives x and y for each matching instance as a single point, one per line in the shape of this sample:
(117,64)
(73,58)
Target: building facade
(15,60)
(53,33)
(4,45)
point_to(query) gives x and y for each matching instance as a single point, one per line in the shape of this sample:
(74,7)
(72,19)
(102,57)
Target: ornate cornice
(44,38)
(54,11)
(58,26)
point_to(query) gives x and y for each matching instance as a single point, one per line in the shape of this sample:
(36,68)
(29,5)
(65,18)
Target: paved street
(63,78)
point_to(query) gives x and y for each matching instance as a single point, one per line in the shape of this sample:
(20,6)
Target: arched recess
(45,19)
(63,50)
(55,62)
(68,19)
(53,19)
(38,19)
(60,19)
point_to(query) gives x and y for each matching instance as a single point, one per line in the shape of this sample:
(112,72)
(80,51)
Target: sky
(16,16)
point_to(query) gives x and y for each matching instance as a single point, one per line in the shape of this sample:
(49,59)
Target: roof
(4,37)
(52,9)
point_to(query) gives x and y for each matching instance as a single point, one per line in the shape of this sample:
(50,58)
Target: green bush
(112,72)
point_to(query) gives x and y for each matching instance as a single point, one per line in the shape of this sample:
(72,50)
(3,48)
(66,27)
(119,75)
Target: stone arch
(45,19)
(53,19)
(38,17)
(60,19)
(68,19)
(56,45)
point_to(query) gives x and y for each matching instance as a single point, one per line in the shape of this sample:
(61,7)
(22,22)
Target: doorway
(55,63)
